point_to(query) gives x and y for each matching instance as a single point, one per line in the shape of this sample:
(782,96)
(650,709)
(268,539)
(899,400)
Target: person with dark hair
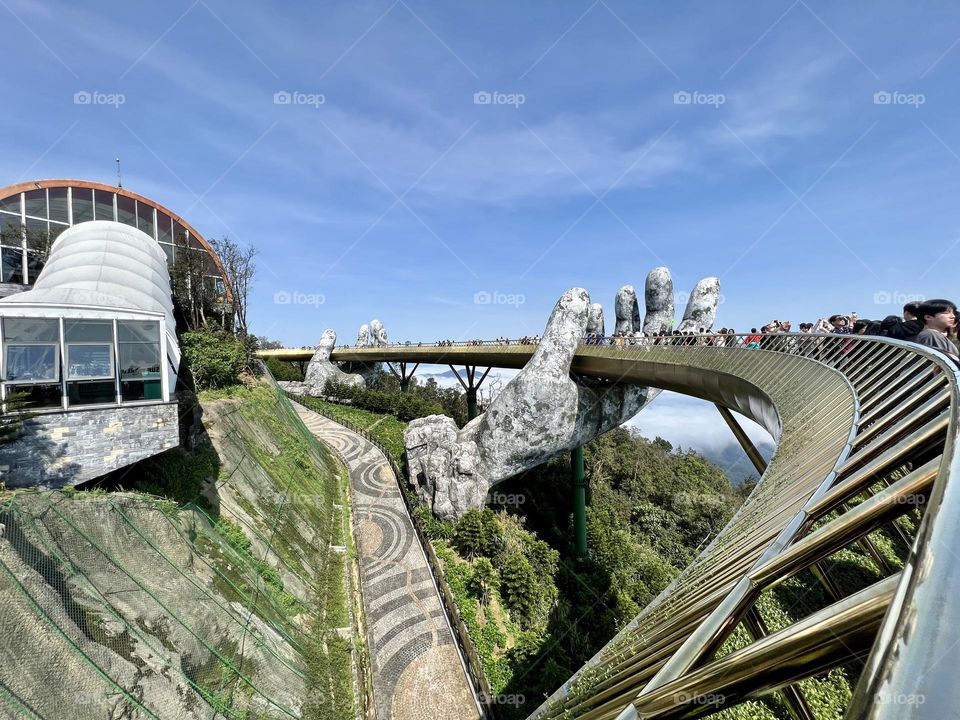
(938,318)
(902,328)
(841,325)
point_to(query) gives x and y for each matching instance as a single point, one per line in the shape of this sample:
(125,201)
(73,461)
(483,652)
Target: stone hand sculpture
(542,411)
(320,369)
(701,310)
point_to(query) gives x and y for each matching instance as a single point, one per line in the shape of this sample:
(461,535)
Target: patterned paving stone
(417,673)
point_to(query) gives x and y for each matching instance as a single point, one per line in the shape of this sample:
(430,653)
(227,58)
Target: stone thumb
(565,329)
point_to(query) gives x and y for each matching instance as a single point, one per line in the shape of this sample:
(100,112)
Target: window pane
(91,393)
(31,362)
(11,204)
(180,237)
(58,204)
(38,235)
(12,261)
(138,331)
(168,249)
(145,219)
(11,230)
(89,361)
(139,360)
(38,396)
(55,231)
(88,330)
(36,202)
(82,205)
(27,330)
(126,210)
(104,205)
(163,228)
(133,390)
(34,266)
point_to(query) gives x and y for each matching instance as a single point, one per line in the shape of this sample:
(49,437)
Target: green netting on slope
(128,605)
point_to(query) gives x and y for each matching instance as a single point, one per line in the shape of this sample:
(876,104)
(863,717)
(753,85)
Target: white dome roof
(104,263)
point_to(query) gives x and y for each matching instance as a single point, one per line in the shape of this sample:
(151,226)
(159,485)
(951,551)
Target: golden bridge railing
(866,431)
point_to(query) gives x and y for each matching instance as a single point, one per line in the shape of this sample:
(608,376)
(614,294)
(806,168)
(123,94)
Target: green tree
(518,587)
(483,579)
(468,534)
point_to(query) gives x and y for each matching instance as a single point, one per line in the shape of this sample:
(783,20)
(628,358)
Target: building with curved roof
(34,213)
(92,349)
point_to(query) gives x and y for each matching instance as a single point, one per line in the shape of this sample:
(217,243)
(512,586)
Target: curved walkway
(417,673)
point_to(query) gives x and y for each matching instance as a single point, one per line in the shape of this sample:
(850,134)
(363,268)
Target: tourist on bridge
(939,317)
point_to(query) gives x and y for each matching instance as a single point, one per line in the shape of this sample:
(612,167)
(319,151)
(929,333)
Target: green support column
(579,501)
(471,403)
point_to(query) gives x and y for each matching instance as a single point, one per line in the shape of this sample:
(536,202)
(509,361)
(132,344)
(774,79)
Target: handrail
(790,383)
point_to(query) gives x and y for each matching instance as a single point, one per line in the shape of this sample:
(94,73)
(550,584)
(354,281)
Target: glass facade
(71,362)
(31,220)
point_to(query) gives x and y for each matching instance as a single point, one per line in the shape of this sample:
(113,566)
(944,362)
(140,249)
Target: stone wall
(72,447)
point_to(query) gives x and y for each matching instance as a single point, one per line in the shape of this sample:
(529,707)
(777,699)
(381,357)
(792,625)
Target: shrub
(215,358)
(284,370)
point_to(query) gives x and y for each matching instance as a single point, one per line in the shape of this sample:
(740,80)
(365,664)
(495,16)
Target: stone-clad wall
(75,446)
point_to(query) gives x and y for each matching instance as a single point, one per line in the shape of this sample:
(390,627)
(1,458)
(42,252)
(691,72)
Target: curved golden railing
(865,431)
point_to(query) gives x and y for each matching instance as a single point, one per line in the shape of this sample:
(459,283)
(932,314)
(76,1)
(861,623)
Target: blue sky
(400,197)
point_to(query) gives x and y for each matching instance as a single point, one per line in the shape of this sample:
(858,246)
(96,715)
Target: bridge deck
(866,429)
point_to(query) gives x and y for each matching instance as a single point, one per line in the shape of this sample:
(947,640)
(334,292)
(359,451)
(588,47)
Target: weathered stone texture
(67,448)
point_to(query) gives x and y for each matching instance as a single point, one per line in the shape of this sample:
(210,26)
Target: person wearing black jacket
(905,328)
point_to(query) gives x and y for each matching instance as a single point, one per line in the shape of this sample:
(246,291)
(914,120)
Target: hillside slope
(207,588)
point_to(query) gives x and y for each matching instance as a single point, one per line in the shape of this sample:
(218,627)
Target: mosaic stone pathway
(417,673)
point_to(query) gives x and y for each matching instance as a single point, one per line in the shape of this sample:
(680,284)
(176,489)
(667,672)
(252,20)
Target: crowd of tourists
(933,323)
